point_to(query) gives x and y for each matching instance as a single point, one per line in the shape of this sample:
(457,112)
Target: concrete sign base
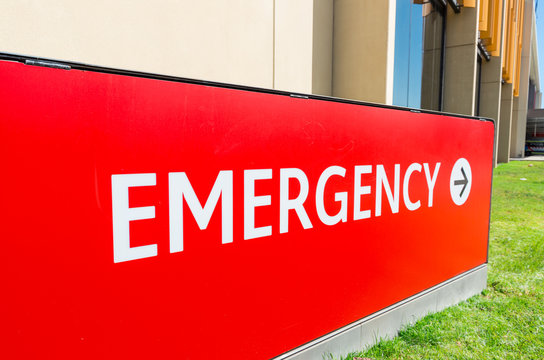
(387,322)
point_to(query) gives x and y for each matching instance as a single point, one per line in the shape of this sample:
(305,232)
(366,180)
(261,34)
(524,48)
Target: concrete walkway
(529,158)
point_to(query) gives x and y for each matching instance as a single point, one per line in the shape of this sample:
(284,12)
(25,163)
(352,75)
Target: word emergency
(180,190)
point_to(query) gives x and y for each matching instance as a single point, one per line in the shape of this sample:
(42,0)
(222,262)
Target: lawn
(507,320)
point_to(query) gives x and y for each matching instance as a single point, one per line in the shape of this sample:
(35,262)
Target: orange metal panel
(519,39)
(484,18)
(495,46)
(510,37)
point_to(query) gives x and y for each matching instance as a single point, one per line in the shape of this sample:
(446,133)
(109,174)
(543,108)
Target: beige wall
(490,94)
(491,89)
(460,64)
(303,46)
(505,123)
(282,44)
(322,47)
(196,39)
(293,45)
(363,50)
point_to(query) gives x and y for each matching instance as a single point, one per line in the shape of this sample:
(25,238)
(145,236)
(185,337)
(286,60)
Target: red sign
(144,218)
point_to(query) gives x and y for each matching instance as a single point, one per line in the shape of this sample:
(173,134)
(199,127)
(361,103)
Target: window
(419,53)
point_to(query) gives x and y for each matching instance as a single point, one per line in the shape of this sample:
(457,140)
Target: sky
(540,38)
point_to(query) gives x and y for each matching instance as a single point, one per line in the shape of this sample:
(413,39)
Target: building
(469,57)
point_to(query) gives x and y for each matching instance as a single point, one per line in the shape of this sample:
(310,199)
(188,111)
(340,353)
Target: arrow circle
(460,181)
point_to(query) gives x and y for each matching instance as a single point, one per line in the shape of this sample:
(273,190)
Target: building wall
(491,92)
(505,123)
(303,46)
(281,44)
(195,39)
(322,55)
(460,68)
(363,50)
(507,29)
(492,84)
(278,44)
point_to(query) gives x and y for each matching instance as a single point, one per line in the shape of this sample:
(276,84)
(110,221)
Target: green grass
(507,320)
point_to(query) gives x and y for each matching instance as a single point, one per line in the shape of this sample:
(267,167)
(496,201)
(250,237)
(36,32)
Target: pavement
(529,158)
